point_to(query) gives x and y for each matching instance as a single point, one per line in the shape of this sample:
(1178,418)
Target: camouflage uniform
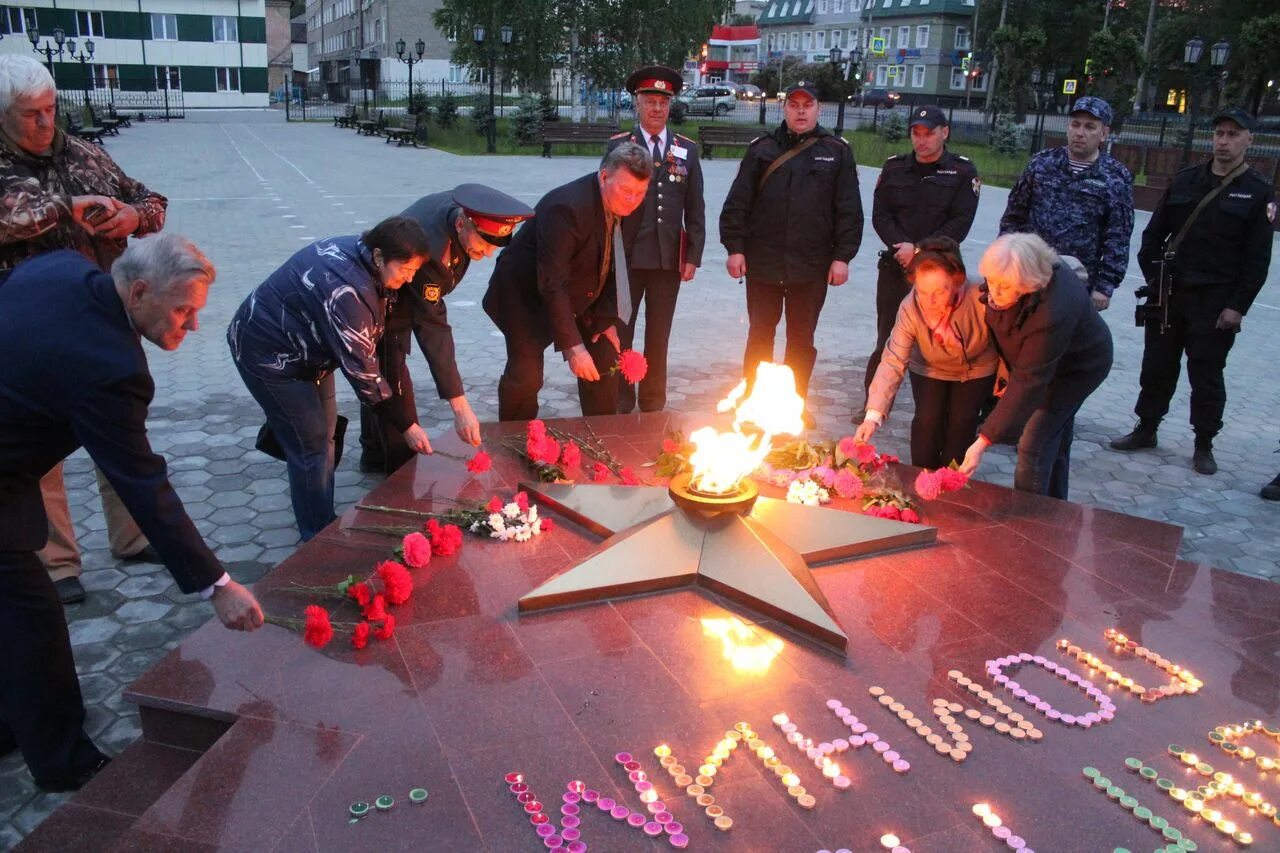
(1088,215)
(35,200)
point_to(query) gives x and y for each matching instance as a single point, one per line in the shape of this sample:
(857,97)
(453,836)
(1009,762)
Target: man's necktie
(657,148)
(620,277)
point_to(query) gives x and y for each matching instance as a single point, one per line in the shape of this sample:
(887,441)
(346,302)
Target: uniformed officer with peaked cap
(467,224)
(927,192)
(665,236)
(1218,268)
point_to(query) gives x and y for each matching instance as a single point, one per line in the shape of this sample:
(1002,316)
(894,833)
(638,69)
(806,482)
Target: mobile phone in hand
(96,214)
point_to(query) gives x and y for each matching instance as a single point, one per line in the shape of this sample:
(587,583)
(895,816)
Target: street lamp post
(83,56)
(1043,85)
(842,72)
(48,51)
(478,36)
(420,47)
(1218,56)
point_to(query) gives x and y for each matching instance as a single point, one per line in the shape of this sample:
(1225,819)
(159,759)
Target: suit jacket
(547,280)
(75,376)
(652,233)
(420,304)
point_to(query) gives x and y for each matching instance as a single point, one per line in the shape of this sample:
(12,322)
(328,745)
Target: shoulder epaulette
(964,158)
(1190,168)
(686,138)
(620,135)
(758,138)
(895,157)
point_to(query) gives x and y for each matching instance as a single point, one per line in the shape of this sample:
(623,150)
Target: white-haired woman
(1058,351)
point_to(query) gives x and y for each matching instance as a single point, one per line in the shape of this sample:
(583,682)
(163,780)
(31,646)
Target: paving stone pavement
(251,189)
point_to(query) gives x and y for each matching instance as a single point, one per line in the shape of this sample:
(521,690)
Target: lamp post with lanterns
(481,37)
(1043,85)
(843,72)
(419,47)
(84,55)
(49,51)
(1219,53)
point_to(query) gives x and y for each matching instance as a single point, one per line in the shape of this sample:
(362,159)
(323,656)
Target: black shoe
(1142,437)
(59,785)
(1204,463)
(70,590)
(1271,491)
(146,555)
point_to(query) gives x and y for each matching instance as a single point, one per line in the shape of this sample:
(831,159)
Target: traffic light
(966,61)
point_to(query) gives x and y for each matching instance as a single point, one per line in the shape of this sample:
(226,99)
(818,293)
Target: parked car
(710,100)
(878,98)
(748,92)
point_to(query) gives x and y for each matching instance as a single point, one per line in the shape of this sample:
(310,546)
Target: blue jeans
(1044,451)
(302,414)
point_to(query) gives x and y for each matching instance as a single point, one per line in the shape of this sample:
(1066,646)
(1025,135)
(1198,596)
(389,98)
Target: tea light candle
(889,841)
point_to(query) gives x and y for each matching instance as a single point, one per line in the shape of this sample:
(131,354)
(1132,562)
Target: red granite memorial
(1043,676)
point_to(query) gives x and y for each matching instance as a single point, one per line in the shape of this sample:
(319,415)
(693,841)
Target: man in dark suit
(76,376)
(555,285)
(665,236)
(468,223)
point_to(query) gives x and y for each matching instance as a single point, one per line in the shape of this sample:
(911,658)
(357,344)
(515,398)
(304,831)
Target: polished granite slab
(470,690)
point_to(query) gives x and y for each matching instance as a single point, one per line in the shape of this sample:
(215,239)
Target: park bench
(573,133)
(110,126)
(403,129)
(347,119)
(123,119)
(738,136)
(371,127)
(76,127)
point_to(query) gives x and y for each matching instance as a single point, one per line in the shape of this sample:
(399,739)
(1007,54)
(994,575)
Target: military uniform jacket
(420,303)
(1088,215)
(918,200)
(1228,245)
(808,213)
(76,376)
(548,278)
(652,233)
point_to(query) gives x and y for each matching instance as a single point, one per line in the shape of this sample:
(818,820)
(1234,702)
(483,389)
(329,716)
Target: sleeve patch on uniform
(977,186)
(1271,213)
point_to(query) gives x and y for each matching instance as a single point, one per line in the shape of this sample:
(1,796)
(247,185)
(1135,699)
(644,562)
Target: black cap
(807,86)
(656,80)
(930,116)
(494,213)
(1235,114)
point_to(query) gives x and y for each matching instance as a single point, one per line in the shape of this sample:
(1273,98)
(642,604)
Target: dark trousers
(659,289)
(765,305)
(40,701)
(1193,317)
(381,444)
(302,415)
(522,377)
(946,419)
(891,288)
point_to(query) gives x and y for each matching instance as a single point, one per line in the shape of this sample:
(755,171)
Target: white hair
(22,77)
(165,261)
(1023,260)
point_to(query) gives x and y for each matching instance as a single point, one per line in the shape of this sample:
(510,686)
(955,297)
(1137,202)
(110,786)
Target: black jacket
(548,279)
(420,304)
(1057,347)
(918,200)
(674,199)
(806,215)
(1228,245)
(75,376)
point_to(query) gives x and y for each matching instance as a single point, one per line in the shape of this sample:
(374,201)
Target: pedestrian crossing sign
(1068,87)
(878,45)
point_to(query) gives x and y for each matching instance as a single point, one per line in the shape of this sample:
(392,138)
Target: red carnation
(446,539)
(910,515)
(495,504)
(864,452)
(318,632)
(522,501)
(387,628)
(359,593)
(536,428)
(479,463)
(928,485)
(600,472)
(848,447)
(360,636)
(571,456)
(377,609)
(547,525)
(417,551)
(542,448)
(628,476)
(952,480)
(632,366)
(890,512)
(670,447)
(399,584)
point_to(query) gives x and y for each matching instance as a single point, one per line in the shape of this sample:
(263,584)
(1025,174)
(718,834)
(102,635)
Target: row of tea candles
(696,787)
(888,841)
(568,838)
(1106,708)
(660,821)
(1184,682)
(1224,737)
(992,821)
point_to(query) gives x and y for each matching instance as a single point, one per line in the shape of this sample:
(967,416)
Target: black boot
(1142,437)
(1202,460)
(1271,491)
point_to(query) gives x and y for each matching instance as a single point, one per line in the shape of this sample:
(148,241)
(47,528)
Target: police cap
(1095,107)
(809,87)
(930,116)
(655,79)
(494,213)
(1235,114)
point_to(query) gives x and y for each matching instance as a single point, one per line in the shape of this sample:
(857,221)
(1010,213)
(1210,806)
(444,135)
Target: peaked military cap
(655,79)
(494,213)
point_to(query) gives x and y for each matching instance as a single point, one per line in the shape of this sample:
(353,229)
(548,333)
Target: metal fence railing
(321,100)
(130,99)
